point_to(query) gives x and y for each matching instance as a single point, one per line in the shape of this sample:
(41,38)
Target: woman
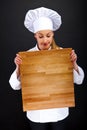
(43,22)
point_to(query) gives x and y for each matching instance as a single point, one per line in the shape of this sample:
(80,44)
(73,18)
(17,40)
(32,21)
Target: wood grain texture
(47,79)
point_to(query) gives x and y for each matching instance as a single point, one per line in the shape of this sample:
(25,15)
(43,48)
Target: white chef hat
(42,19)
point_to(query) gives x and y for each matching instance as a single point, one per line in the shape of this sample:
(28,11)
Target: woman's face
(44,39)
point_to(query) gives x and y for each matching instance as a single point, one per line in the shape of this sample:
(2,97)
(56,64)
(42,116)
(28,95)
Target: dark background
(15,37)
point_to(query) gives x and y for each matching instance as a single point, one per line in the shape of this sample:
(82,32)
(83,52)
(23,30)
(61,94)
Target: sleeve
(14,81)
(78,77)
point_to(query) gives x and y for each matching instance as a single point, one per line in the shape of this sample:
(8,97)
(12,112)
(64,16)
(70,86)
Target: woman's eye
(40,36)
(44,36)
(48,36)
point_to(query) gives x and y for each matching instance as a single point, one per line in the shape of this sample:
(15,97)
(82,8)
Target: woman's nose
(45,39)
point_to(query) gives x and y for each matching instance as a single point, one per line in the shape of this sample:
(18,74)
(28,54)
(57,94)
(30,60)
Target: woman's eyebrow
(39,33)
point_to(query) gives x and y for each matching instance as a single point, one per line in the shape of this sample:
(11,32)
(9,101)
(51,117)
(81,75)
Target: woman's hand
(73,57)
(17,61)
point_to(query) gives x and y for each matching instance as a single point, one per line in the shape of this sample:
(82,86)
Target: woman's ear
(35,35)
(53,34)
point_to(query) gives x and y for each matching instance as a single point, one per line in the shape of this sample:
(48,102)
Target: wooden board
(47,79)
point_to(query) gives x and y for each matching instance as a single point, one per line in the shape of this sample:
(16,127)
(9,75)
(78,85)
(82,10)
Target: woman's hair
(54,45)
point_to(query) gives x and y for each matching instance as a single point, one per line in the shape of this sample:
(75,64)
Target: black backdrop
(15,37)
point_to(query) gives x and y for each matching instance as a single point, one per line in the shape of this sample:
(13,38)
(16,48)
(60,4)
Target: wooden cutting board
(47,79)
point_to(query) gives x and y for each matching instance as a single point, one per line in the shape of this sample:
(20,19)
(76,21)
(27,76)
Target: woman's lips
(45,44)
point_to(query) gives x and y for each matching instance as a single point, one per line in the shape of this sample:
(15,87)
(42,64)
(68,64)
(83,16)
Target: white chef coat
(46,115)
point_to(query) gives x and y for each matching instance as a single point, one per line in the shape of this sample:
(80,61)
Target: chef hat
(42,19)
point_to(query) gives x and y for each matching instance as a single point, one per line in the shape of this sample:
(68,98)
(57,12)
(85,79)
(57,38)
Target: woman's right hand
(17,61)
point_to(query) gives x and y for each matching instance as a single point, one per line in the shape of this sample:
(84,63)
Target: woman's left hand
(73,57)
